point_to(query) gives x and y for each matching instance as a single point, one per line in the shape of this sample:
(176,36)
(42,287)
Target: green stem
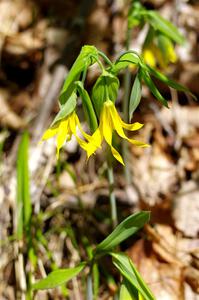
(106,59)
(113,204)
(128,51)
(100,65)
(127,82)
(84,74)
(89,284)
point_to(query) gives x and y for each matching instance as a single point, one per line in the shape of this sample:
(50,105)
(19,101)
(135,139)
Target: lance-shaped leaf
(173,84)
(87,106)
(135,96)
(58,277)
(66,109)
(164,26)
(129,271)
(128,291)
(147,79)
(87,57)
(105,88)
(124,230)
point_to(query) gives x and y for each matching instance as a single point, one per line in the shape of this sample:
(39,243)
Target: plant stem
(89,284)
(112,198)
(127,82)
(106,59)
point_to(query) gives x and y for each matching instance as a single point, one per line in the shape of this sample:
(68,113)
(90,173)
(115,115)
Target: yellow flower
(64,129)
(110,121)
(172,57)
(149,55)
(152,55)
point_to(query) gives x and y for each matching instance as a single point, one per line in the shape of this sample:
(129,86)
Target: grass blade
(24,208)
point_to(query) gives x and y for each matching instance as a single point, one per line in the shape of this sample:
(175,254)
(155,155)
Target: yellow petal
(97,138)
(132,127)
(138,143)
(86,146)
(117,120)
(63,133)
(119,124)
(85,135)
(149,57)
(117,155)
(90,148)
(172,55)
(107,129)
(72,123)
(49,133)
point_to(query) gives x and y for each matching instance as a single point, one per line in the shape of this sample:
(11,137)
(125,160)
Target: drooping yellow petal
(95,142)
(117,120)
(132,127)
(117,155)
(63,134)
(49,133)
(118,125)
(88,147)
(121,133)
(149,57)
(97,138)
(85,135)
(74,122)
(107,130)
(138,143)
(172,54)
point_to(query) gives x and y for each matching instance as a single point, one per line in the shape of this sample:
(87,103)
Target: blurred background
(39,41)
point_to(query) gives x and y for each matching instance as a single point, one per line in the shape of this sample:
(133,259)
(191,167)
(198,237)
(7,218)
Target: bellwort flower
(64,129)
(110,121)
(153,55)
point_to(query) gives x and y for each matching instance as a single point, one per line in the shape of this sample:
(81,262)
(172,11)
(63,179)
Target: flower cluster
(109,122)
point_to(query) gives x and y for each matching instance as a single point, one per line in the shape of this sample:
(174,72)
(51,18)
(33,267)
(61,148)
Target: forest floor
(39,40)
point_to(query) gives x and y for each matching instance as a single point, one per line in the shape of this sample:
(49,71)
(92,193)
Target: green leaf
(105,88)
(164,26)
(147,79)
(58,277)
(124,61)
(124,230)
(66,109)
(136,14)
(87,57)
(128,291)
(87,106)
(166,47)
(129,271)
(173,84)
(24,208)
(135,96)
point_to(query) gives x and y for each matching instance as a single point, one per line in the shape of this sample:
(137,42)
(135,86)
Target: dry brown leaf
(156,175)
(7,116)
(165,280)
(186,209)
(22,43)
